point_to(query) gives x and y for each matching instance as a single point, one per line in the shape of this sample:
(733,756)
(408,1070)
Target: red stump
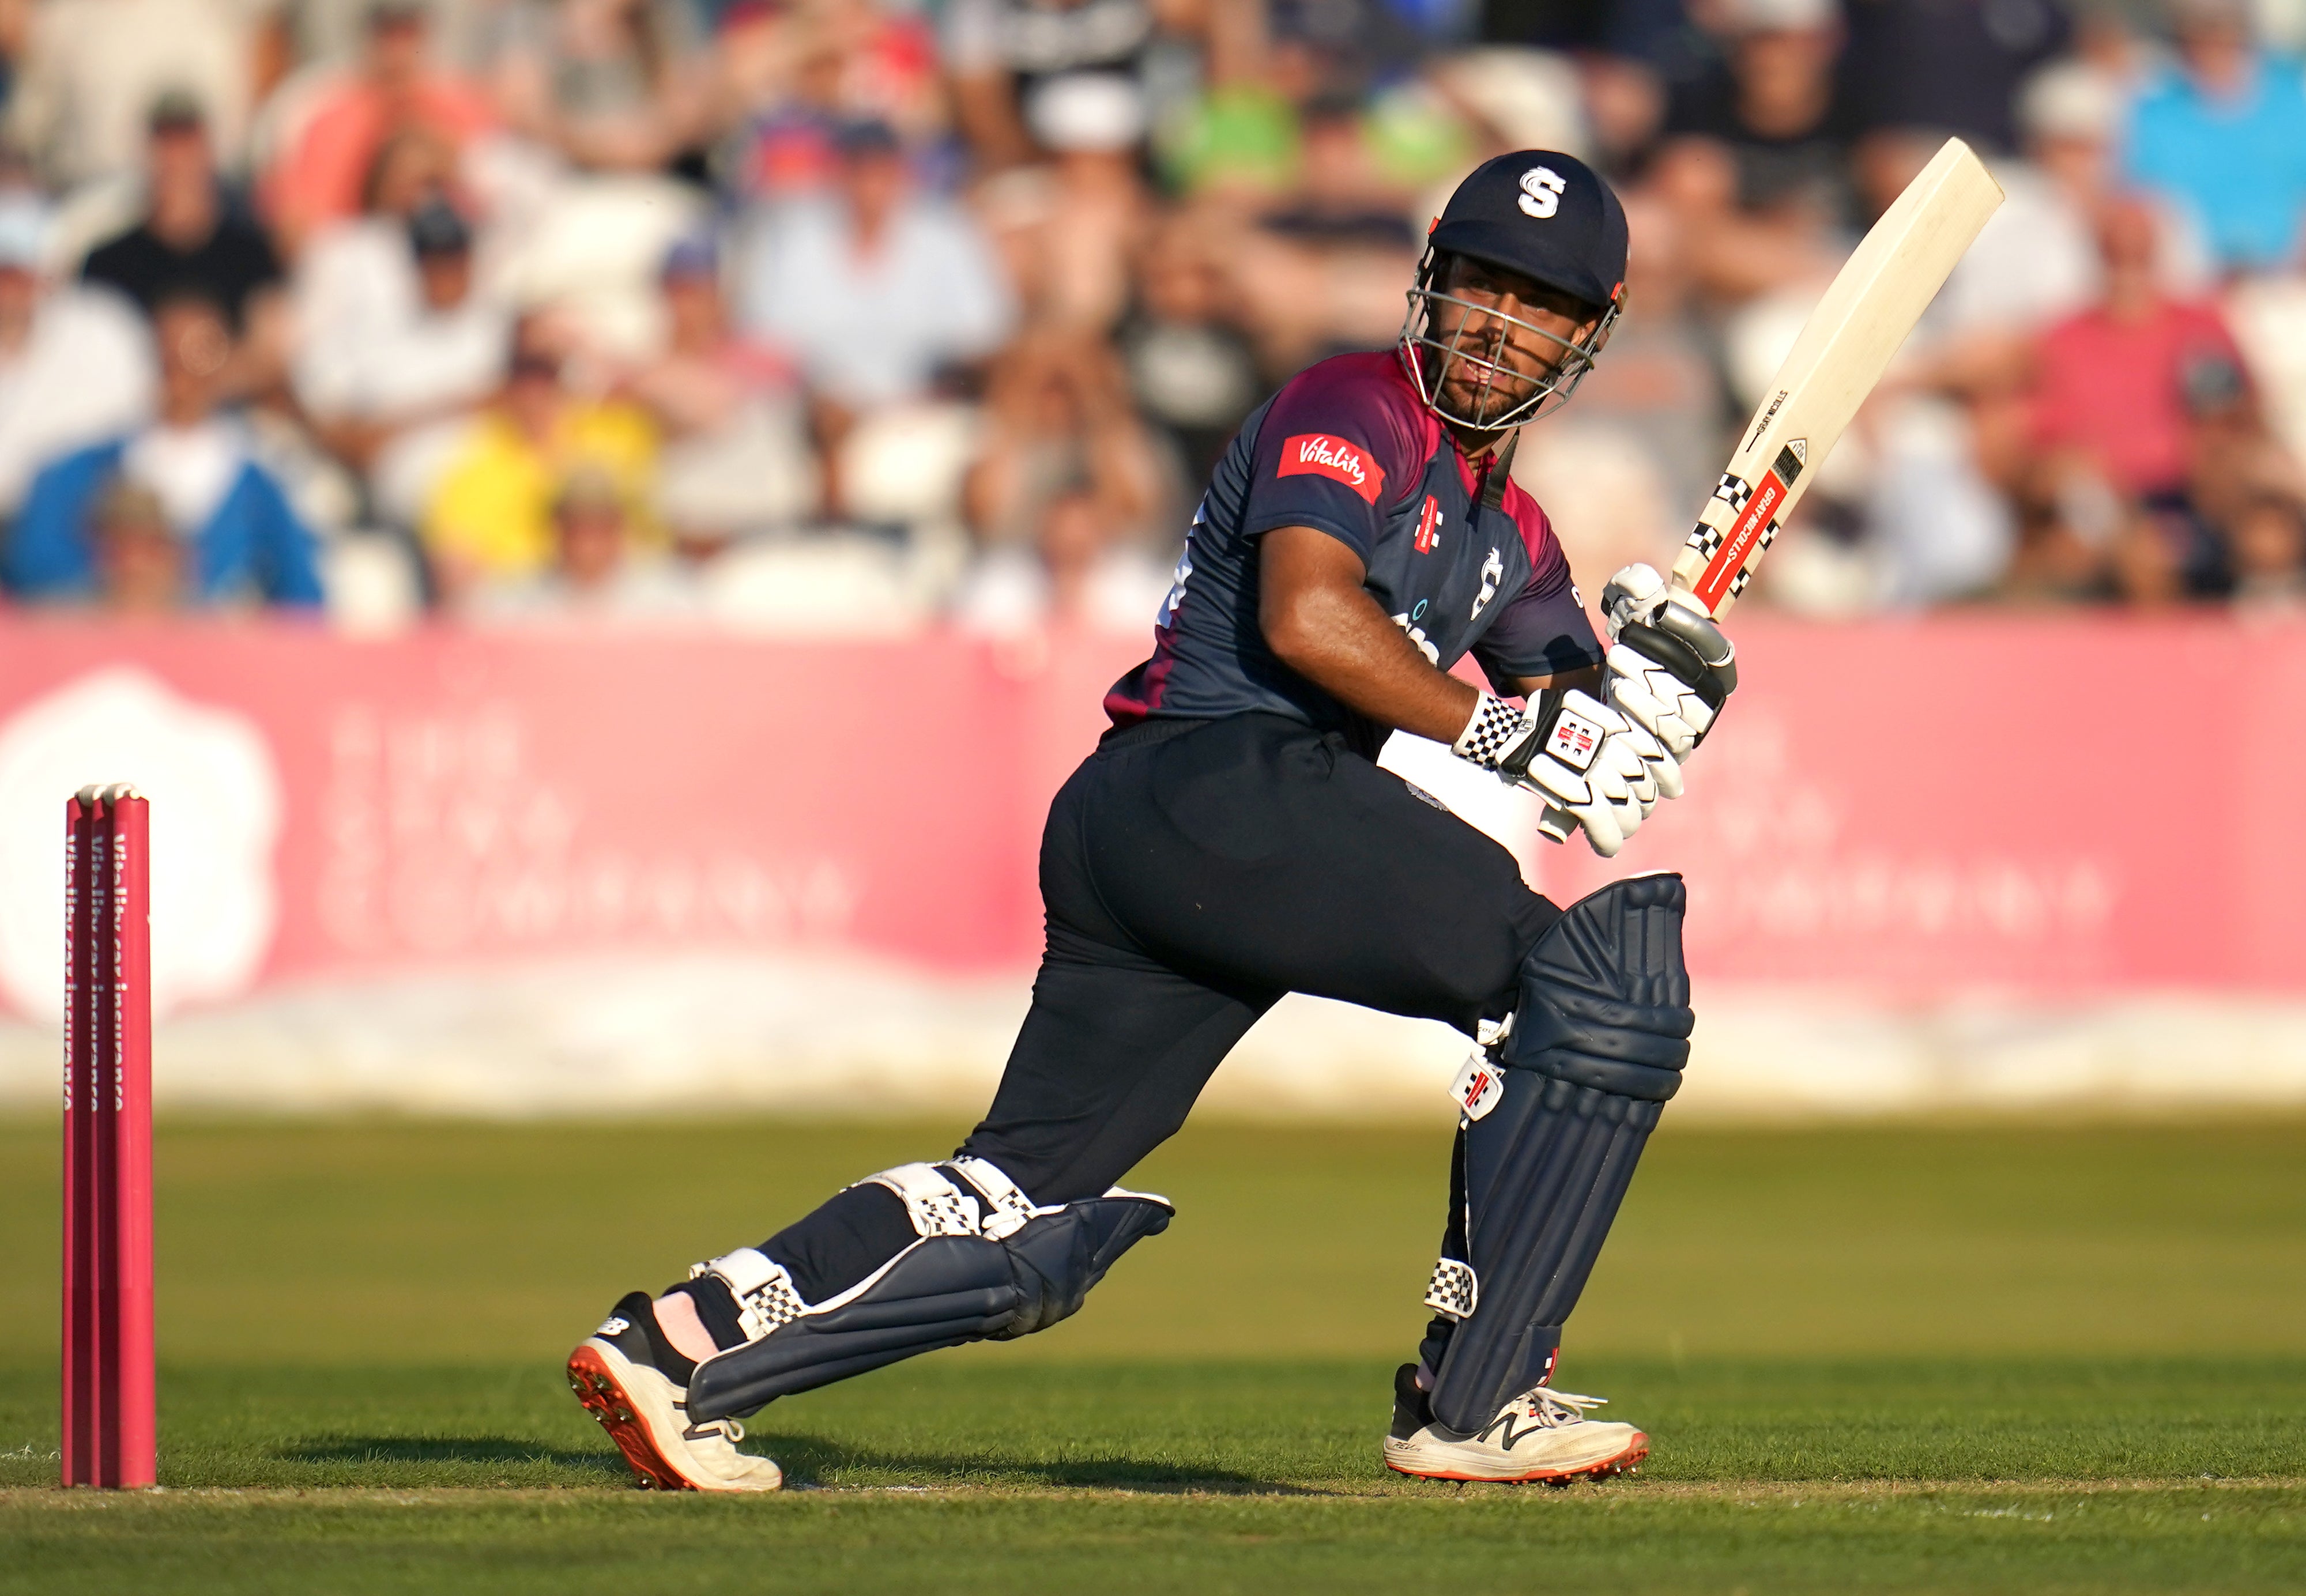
(108,1431)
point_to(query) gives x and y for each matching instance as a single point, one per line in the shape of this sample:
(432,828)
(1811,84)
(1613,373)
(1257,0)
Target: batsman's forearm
(1342,642)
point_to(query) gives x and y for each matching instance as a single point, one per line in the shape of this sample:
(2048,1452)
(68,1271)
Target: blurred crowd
(844,316)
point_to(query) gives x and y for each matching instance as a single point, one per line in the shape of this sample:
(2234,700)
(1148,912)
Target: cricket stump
(108,1385)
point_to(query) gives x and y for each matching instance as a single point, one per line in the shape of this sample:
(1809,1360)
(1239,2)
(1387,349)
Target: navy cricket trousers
(1193,872)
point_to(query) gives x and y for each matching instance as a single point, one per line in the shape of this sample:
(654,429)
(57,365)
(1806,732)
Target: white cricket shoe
(645,1411)
(1543,1434)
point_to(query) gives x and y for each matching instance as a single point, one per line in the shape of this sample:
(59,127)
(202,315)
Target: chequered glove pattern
(1495,728)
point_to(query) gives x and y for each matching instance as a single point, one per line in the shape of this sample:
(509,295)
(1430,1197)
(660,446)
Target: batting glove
(1670,668)
(1585,758)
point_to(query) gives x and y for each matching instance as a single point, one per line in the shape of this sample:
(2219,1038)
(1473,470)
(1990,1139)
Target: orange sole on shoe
(1628,1462)
(596,1386)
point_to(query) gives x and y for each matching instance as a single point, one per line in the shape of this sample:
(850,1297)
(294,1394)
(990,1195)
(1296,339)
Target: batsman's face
(1506,334)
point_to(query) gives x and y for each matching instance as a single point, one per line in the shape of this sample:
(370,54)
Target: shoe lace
(728,1431)
(1554,1408)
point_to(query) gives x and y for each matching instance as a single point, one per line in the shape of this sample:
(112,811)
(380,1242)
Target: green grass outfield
(1960,1358)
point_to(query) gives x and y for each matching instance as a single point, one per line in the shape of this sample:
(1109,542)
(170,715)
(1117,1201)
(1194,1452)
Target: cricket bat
(1842,351)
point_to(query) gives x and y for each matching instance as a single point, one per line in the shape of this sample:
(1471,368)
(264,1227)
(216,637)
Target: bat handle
(1558,824)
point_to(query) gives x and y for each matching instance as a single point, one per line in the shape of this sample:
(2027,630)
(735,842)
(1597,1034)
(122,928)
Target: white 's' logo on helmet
(1541,192)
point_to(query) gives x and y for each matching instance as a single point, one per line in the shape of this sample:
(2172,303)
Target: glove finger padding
(1634,593)
(1653,698)
(1651,773)
(1661,770)
(1672,672)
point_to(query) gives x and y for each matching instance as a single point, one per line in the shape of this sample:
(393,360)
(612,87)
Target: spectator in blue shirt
(2226,134)
(242,541)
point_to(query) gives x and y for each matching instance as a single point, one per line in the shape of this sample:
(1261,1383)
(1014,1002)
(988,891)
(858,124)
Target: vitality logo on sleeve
(1320,454)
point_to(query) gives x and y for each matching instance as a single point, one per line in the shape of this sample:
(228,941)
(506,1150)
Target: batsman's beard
(1483,388)
(1460,366)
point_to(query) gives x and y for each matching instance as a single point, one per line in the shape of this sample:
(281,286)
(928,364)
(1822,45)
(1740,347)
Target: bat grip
(1558,824)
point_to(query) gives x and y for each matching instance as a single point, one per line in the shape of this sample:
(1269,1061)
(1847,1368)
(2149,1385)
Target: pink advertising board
(2038,805)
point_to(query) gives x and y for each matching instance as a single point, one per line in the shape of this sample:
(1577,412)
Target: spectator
(75,362)
(139,558)
(788,143)
(358,272)
(1060,422)
(795,75)
(1002,53)
(2268,553)
(2145,566)
(597,573)
(1343,195)
(243,540)
(2225,133)
(1952,67)
(2065,552)
(1320,274)
(439,353)
(489,514)
(1775,106)
(1190,370)
(194,241)
(2113,381)
(612,84)
(1075,576)
(2117,393)
(328,35)
(92,70)
(327,159)
(1099,210)
(735,457)
(877,290)
(2038,260)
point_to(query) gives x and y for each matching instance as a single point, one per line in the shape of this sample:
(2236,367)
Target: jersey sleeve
(1543,631)
(1336,451)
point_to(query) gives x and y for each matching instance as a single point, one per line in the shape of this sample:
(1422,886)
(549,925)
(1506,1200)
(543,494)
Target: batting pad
(943,1290)
(1597,1047)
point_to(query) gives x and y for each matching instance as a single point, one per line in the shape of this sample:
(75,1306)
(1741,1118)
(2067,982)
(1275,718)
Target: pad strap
(763,1291)
(936,1206)
(1454,1291)
(1011,1208)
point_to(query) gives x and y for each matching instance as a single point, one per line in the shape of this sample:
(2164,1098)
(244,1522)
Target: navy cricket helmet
(1547,217)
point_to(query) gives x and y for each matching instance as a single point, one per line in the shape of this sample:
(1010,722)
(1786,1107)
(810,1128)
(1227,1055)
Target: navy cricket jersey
(1348,447)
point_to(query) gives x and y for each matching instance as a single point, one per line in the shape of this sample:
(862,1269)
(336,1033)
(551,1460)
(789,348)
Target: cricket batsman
(1232,838)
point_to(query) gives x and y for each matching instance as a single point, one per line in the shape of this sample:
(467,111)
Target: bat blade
(1842,351)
